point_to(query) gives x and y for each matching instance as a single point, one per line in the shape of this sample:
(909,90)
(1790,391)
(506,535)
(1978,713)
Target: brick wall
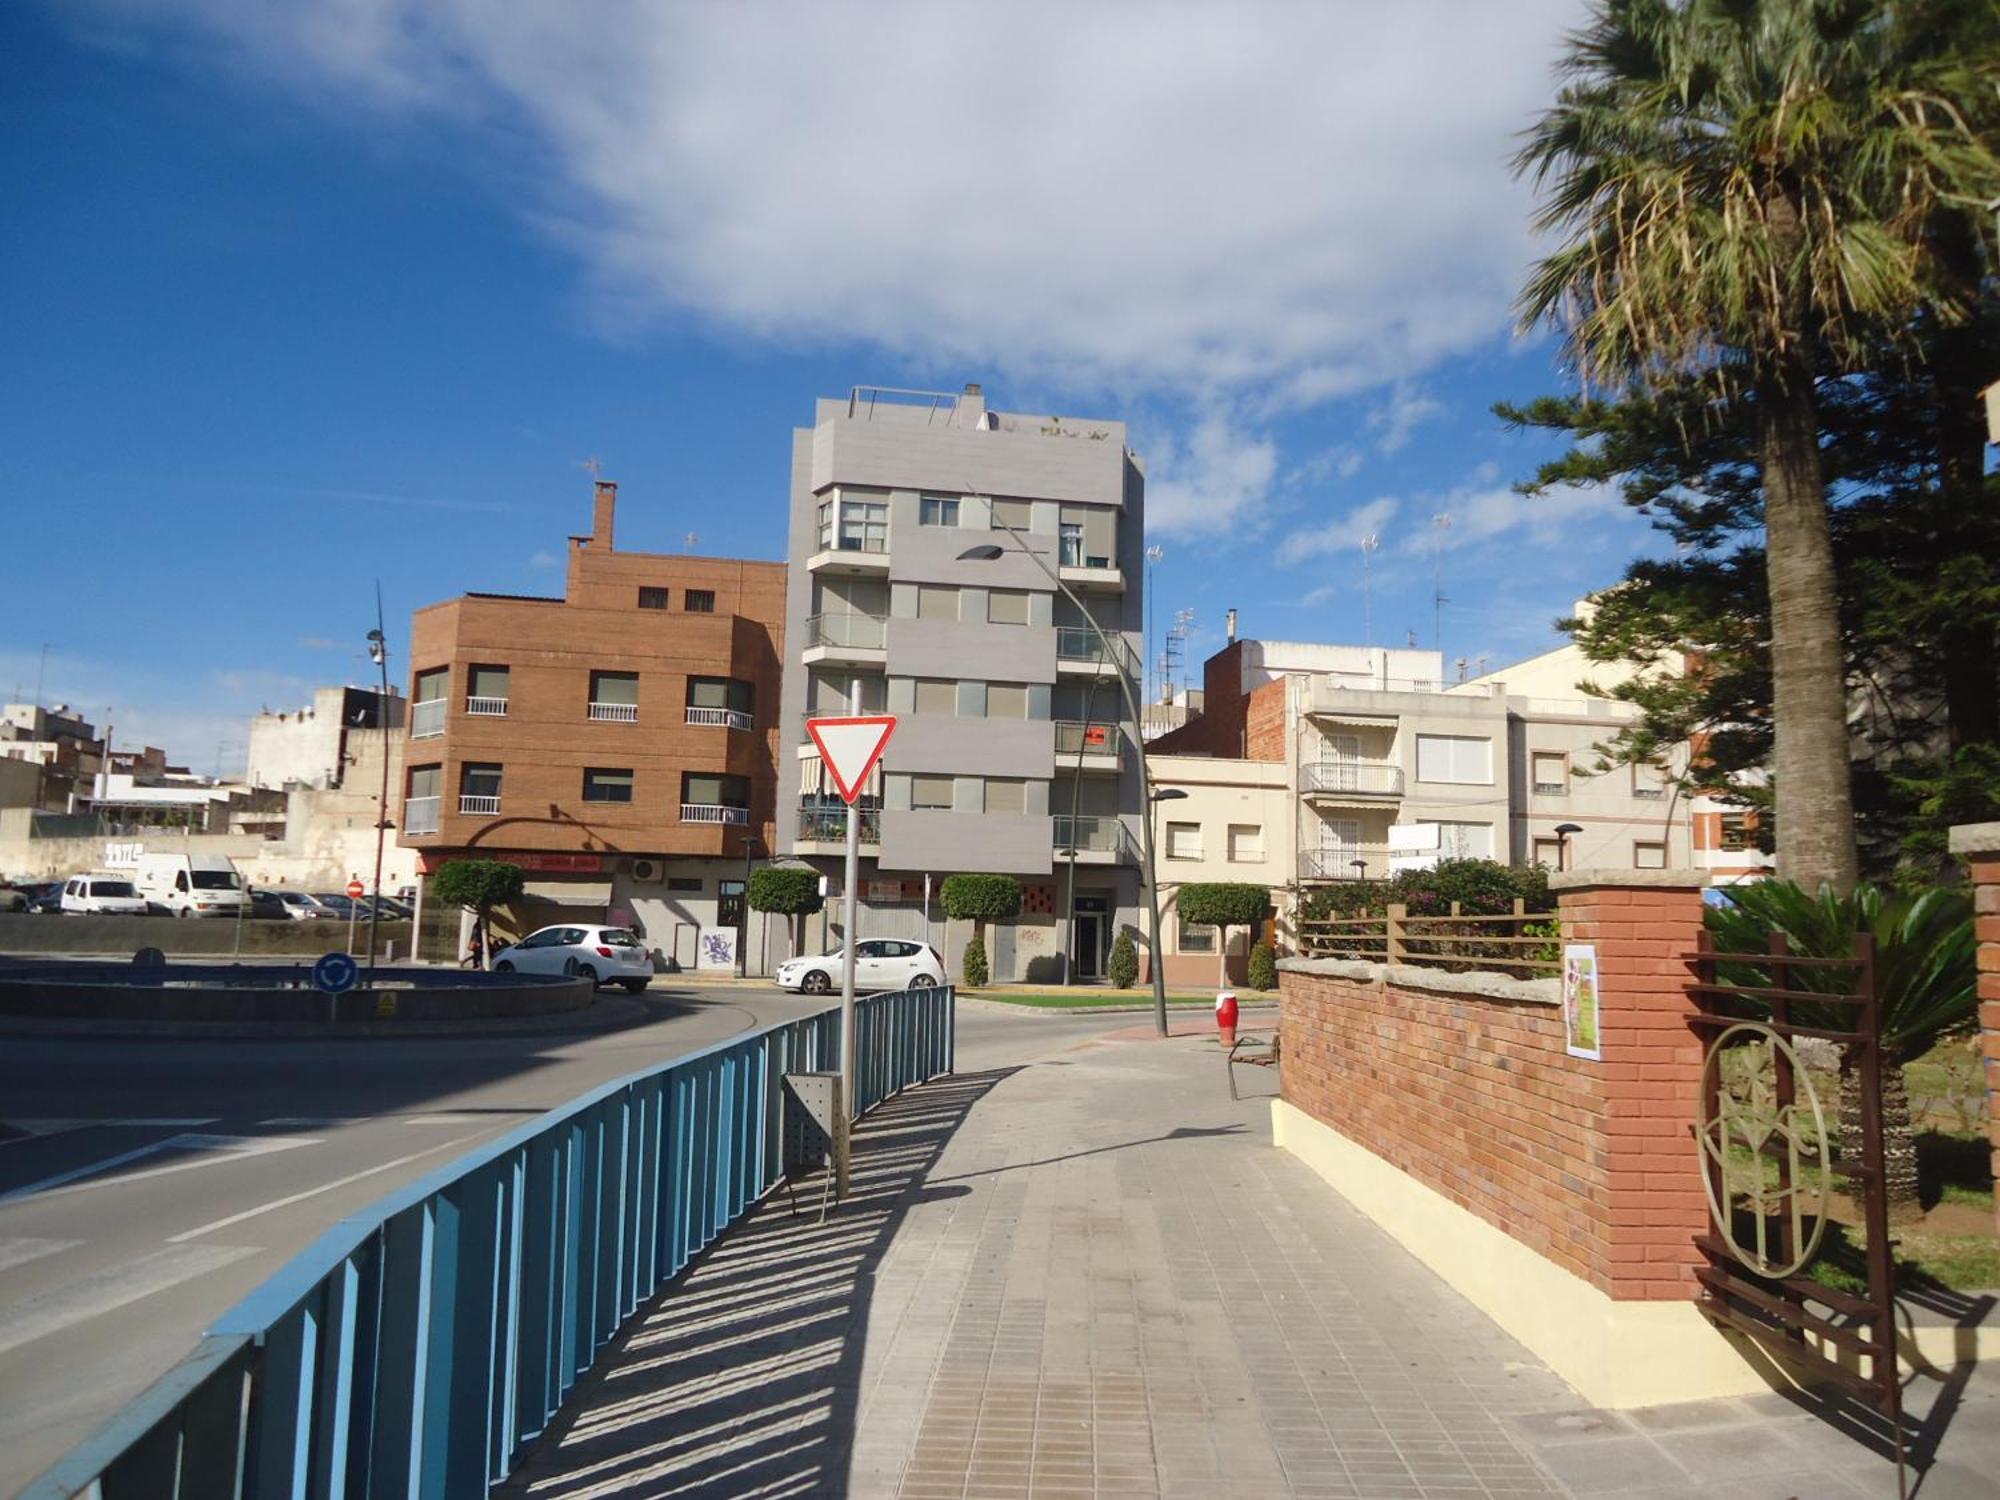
(1264,723)
(1980,844)
(1589,1163)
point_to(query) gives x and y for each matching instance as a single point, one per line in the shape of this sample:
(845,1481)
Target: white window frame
(1237,855)
(1174,830)
(937,510)
(1467,759)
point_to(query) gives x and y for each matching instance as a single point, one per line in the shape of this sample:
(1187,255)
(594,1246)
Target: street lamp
(743,911)
(1563,831)
(990,552)
(1360,868)
(378,652)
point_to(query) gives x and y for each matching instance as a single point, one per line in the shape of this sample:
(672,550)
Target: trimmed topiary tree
(974,965)
(1263,967)
(1124,965)
(789,890)
(979,899)
(481,884)
(1223,904)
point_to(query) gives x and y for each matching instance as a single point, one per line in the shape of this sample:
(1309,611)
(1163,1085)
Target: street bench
(1251,1052)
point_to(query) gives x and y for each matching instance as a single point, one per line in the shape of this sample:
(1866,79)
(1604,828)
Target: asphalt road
(145,1187)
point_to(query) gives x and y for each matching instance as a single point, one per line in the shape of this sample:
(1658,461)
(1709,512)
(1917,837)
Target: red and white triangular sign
(850,747)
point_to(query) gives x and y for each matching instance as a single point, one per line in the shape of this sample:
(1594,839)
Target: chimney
(601,515)
(1230,624)
(971,405)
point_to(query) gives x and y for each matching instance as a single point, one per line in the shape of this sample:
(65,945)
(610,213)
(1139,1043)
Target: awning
(569,892)
(1353,721)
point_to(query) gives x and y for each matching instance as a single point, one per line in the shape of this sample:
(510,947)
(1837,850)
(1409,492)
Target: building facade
(911,592)
(311,747)
(1234,821)
(618,743)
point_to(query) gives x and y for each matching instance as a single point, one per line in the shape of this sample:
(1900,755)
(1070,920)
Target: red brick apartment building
(618,743)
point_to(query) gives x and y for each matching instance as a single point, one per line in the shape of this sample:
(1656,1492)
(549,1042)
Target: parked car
(267,905)
(301,907)
(106,895)
(45,899)
(340,904)
(879,964)
(607,955)
(13,897)
(392,910)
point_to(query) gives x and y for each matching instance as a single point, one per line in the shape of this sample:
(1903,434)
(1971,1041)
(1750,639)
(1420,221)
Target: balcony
(719,718)
(489,708)
(615,713)
(1088,746)
(854,557)
(709,812)
(1350,781)
(1089,574)
(420,814)
(427,719)
(1080,654)
(1096,841)
(856,640)
(1336,862)
(823,830)
(478,807)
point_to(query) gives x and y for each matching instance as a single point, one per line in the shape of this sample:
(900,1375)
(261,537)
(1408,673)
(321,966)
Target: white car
(604,955)
(879,964)
(107,894)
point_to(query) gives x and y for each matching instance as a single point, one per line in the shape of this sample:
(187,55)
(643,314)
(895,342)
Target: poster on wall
(716,948)
(1580,1001)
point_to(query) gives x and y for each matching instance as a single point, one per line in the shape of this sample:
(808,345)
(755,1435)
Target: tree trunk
(1810,762)
(1900,1181)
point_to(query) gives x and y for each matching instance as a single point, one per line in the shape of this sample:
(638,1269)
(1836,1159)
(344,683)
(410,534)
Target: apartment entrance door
(1093,921)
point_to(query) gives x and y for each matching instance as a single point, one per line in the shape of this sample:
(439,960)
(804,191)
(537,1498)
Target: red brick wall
(1264,723)
(1588,1163)
(1985,869)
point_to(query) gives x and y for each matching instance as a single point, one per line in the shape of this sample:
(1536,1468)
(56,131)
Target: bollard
(1225,1017)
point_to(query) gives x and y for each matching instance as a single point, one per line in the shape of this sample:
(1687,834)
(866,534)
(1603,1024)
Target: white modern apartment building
(912,591)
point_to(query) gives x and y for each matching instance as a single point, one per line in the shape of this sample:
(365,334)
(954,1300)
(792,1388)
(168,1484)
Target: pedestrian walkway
(1093,1276)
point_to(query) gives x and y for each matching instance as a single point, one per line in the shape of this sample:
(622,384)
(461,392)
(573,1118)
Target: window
(826,526)
(1197,937)
(698,601)
(1072,544)
(1738,832)
(722,692)
(829,694)
(1551,773)
(729,903)
(936,602)
(931,793)
(1465,840)
(1184,841)
(1012,515)
(1246,843)
(478,783)
(686,885)
(936,696)
(607,786)
(614,695)
(1455,758)
(652,598)
(433,685)
(864,526)
(1007,607)
(1649,783)
(937,510)
(1548,853)
(1006,700)
(704,789)
(1649,856)
(487,682)
(1006,795)
(426,781)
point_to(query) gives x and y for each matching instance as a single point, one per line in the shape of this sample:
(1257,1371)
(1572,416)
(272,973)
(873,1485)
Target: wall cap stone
(1976,838)
(1488,986)
(1661,880)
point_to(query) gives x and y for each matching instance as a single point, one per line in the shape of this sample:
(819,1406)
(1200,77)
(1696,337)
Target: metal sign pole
(853,880)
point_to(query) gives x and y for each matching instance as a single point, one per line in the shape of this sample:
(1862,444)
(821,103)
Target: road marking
(219,1148)
(103,1291)
(314,1192)
(32,1129)
(307,1122)
(21,1249)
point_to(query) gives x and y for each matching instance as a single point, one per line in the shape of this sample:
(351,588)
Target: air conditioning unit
(646,870)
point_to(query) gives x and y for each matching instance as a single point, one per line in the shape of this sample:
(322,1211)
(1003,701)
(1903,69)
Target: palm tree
(1746,191)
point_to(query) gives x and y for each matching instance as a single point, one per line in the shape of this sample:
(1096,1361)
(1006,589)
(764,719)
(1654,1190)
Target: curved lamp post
(1563,832)
(991,552)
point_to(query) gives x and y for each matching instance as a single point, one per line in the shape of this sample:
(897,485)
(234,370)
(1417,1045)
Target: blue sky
(300,297)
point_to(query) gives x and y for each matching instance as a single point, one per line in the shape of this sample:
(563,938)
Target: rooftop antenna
(1370,545)
(1410,635)
(1440,524)
(690,542)
(592,466)
(41,670)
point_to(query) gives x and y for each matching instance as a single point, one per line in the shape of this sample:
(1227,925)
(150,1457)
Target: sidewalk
(1093,1276)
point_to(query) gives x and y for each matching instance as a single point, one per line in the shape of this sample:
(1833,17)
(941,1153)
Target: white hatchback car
(879,964)
(604,955)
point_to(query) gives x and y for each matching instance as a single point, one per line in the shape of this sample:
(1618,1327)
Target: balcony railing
(723,718)
(420,814)
(822,825)
(427,719)
(617,713)
(709,812)
(855,632)
(1079,643)
(1075,737)
(491,708)
(478,807)
(1336,862)
(1089,835)
(1363,778)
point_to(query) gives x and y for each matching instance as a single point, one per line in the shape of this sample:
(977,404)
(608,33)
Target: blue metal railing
(416,1348)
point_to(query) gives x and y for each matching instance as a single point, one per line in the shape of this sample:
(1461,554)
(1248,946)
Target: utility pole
(1440,524)
(378,652)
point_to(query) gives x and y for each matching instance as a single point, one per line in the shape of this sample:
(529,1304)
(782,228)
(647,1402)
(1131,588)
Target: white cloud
(1343,534)
(1483,511)
(544,561)
(1284,200)
(1395,419)
(1219,483)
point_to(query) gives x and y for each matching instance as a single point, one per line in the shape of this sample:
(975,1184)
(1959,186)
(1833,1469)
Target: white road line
(314,1192)
(21,1249)
(308,1122)
(99,1293)
(37,1128)
(218,1148)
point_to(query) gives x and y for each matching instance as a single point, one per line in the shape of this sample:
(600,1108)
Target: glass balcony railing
(854,632)
(420,814)
(1089,835)
(1074,738)
(427,719)
(828,825)
(1079,643)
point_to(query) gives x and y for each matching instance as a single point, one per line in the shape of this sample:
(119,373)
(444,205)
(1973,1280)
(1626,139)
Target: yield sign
(850,747)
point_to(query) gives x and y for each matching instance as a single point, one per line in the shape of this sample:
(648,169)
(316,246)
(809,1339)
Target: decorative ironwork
(1748,1109)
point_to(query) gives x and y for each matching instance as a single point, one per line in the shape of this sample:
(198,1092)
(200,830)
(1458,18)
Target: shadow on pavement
(745,1375)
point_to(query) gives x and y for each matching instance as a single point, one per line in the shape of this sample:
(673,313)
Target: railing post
(1393,929)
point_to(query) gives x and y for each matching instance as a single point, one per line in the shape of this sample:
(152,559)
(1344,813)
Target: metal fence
(417,1348)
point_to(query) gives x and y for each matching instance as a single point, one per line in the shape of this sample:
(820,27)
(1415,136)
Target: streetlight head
(1167,794)
(985,552)
(1568,828)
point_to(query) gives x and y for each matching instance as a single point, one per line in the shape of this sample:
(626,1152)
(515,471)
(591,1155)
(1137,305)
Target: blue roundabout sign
(335,973)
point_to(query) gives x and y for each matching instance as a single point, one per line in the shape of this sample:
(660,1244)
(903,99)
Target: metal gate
(1768,1166)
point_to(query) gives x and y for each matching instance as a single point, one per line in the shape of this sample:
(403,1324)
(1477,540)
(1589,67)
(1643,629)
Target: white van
(108,895)
(191,885)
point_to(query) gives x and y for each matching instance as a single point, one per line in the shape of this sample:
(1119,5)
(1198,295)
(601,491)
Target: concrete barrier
(124,936)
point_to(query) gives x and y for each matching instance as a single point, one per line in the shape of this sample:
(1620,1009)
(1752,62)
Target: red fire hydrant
(1225,1017)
